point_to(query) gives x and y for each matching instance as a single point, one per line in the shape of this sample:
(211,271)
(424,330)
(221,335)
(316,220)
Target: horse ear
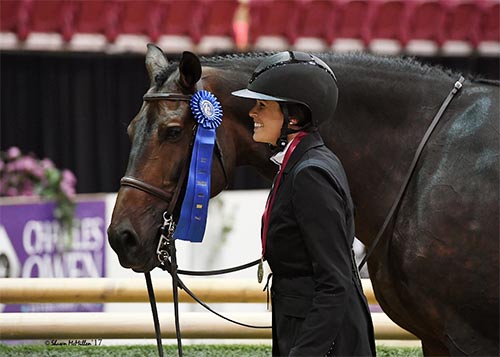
(156,62)
(189,69)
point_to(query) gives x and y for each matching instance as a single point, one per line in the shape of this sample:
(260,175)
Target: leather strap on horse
(143,186)
(456,87)
(219,271)
(156,321)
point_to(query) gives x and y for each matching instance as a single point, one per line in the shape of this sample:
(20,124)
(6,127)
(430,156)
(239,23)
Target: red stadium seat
(353,31)
(140,17)
(461,29)
(423,33)
(273,24)
(316,24)
(180,25)
(217,25)
(218,17)
(50,23)
(13,23)
(9,14)
(96,24)
(387,26)
(489,29)
(97,17)
(138,24)
(54,16)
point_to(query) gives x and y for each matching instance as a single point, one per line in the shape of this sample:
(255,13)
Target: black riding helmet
(294,77)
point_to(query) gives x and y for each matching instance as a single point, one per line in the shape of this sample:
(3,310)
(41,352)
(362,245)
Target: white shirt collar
(278,158)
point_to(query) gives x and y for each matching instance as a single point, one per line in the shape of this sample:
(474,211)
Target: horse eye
(172,133)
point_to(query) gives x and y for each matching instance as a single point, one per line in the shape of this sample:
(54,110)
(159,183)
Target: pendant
(260,270)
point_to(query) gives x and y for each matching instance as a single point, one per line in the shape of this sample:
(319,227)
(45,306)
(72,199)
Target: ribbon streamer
(207,111)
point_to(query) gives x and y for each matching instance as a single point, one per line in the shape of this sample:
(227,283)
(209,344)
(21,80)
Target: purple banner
(32,245)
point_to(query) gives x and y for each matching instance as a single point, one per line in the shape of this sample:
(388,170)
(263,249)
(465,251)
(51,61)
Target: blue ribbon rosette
(207,111)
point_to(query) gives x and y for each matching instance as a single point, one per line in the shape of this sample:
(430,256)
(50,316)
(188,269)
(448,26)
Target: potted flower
(26,175)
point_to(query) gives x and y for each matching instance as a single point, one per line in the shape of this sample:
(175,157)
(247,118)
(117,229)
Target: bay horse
(436,270)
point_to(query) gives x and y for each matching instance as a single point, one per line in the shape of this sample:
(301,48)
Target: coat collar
(308,142)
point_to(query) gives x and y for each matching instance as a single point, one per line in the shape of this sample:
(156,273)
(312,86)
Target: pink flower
(68,182)
(26,163)
(68,177)
(38,171)
(11,166)
(47,164)
(67,189)
(13,152)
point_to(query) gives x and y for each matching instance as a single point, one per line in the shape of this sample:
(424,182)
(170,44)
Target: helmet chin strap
(282,139)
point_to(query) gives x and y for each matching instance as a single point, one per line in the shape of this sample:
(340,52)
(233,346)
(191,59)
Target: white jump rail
(201,325)
(104,290)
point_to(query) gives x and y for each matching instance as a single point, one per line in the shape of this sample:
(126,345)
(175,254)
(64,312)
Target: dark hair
(300,112)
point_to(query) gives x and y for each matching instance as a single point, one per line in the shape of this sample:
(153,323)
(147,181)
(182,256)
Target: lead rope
(168,261)
(156,321)
(175,292)
(456,87)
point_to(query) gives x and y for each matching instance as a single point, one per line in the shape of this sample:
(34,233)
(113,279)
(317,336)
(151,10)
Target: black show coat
(317,300)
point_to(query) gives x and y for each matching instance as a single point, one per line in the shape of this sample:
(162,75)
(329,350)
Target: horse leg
(432,347)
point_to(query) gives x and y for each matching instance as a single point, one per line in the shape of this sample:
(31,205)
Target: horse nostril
(130,239)
(122,238)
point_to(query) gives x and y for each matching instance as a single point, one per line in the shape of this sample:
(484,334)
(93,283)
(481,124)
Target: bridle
(166,251)
(171,197)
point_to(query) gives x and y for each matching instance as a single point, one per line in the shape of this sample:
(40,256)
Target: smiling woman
(319,308)
(268,120)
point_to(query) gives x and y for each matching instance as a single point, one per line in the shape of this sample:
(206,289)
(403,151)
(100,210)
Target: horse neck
(380,120)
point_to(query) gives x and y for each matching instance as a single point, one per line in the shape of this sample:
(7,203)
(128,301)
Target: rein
(456,87)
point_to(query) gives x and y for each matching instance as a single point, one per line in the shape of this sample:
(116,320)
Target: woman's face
(268,119)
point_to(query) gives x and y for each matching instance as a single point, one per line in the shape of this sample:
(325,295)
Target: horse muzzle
(127,245)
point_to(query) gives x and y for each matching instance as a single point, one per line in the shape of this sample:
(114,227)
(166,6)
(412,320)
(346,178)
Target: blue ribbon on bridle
(207,111)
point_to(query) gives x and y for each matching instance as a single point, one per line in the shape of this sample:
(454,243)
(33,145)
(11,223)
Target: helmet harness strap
(282,140)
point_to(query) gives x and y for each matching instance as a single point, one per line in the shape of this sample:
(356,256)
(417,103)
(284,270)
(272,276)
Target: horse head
(161,135)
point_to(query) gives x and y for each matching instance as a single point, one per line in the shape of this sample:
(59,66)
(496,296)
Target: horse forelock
(162,77)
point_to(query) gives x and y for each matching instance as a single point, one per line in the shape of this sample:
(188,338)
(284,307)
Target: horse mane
(241,61)
(247,62)
(238,62)
(390,64)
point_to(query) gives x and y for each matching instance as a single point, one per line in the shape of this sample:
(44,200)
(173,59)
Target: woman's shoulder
(322,161)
